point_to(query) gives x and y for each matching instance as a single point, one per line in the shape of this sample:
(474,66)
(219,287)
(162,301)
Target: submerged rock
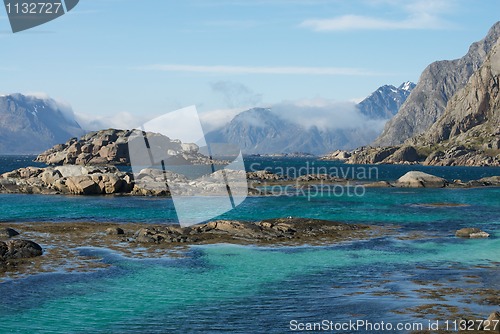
(471,232)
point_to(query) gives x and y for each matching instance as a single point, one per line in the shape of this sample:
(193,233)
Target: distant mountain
(260,130)
(30,125)
(437,84)
(386,101)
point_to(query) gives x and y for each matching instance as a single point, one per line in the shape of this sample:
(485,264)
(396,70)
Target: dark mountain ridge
(29,125)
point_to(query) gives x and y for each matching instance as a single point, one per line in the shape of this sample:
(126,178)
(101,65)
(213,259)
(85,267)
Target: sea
(357,286)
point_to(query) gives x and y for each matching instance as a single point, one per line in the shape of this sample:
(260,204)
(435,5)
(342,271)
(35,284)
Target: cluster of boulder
(110,147)
(271,230)
(103,180)
(15,249)
(264,175)
(78,180)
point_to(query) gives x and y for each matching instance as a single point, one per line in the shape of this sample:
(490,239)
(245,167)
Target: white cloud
(215,119)
(322,113)
(56,104)
(420,14)
(121,120)
(276,70)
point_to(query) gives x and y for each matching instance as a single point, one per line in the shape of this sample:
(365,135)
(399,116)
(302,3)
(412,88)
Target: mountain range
(436,86)
(30,124)
(265,131)
(465,132)
(451,117)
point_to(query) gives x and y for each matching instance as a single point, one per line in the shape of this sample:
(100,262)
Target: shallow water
(246,289)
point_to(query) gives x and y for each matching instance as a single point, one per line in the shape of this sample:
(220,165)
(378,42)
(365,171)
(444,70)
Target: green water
(246,289)
(136,292)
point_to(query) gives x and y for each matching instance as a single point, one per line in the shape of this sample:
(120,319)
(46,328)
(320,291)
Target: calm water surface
(245,289)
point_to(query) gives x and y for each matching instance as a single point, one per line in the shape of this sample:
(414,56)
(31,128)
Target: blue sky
(123,61)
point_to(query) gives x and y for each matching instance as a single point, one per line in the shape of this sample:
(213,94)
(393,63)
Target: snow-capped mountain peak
(407,86)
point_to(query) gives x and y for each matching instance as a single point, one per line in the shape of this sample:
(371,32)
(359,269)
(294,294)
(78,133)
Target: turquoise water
(246,289)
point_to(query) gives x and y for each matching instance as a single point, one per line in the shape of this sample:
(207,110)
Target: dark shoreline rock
(17,249)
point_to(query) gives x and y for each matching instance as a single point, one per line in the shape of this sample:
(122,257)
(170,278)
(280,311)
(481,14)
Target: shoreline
(107,180)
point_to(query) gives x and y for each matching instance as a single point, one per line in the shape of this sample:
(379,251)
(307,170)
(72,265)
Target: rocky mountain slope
(259,130)
(437,85)
(29,125)
(467,133)
(469,130)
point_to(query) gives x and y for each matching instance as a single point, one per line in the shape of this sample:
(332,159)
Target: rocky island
(110,147)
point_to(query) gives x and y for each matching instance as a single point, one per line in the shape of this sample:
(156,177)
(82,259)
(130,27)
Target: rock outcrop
(382,155)
(468,133)
(338,155)
(437,85)
(374,155)
(271,230)
(416,179)
(110,147)
(77,180)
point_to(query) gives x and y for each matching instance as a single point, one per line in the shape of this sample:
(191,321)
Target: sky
(122,62)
